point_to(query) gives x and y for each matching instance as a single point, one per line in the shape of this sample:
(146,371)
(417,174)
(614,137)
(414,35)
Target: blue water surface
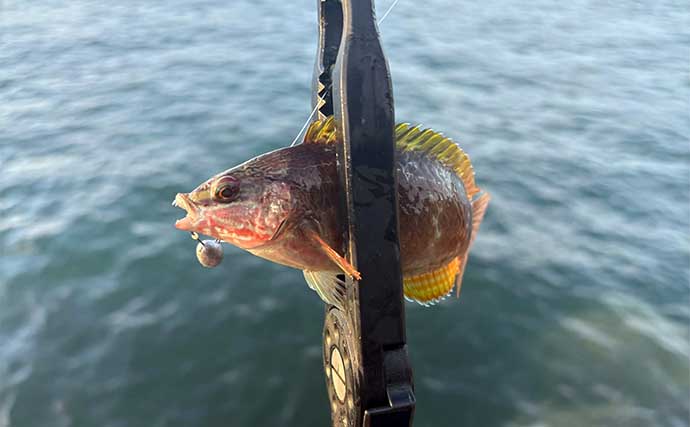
(576,302)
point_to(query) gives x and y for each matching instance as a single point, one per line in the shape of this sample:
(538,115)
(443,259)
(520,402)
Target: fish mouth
(193,212)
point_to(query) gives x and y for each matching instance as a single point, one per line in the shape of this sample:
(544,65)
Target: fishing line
(195,236)
(388,11)
(294,141)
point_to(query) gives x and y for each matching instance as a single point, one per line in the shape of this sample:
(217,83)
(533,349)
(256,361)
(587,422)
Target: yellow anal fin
(432,287)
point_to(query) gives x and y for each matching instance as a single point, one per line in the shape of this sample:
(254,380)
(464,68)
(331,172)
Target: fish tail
(478,210)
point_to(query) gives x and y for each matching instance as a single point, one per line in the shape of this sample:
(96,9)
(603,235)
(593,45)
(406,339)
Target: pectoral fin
(328,285)
(341,262)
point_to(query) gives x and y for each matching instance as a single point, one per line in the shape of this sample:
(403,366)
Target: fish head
(241,206)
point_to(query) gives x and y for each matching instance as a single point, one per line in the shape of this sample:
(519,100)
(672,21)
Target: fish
(283,206)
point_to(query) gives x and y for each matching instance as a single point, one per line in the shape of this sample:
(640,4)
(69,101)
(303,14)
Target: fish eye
(225,189)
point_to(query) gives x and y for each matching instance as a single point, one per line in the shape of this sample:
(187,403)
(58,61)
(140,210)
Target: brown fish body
(285,206)
(435,214)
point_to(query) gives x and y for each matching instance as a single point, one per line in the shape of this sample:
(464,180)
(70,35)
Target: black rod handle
(365,354)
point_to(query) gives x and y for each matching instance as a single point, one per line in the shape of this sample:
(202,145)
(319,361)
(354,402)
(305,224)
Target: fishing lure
(209,253)
(282,206)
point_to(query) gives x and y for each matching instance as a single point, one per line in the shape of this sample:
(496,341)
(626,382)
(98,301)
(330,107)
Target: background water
(575,308)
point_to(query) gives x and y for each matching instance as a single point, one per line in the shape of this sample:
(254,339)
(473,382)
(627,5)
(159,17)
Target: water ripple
(574,309)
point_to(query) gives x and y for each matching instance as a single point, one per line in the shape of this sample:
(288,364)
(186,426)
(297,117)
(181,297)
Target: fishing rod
(368,373)
(328,87)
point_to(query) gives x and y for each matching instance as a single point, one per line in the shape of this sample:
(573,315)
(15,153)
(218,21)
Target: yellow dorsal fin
(321,132)
(410,138)
(437,146)
(430,288)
